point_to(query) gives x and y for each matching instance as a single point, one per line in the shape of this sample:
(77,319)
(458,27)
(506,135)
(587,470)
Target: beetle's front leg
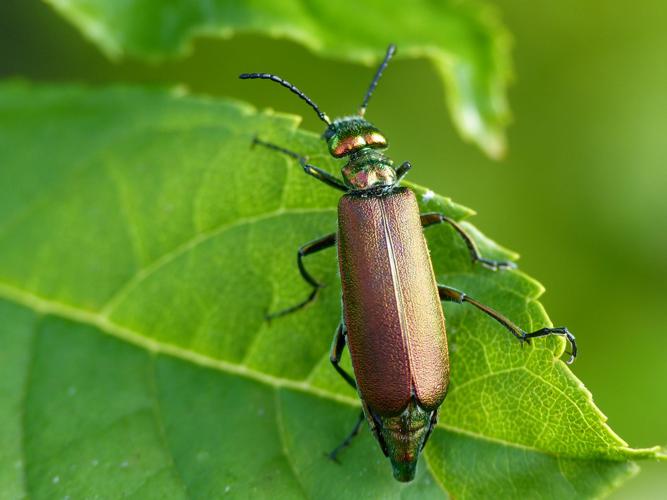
(402,171)
(453,295)
(312,170)
(431,218)
(309,248)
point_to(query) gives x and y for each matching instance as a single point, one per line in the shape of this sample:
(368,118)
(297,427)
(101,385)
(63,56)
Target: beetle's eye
(347,145)
(375,139)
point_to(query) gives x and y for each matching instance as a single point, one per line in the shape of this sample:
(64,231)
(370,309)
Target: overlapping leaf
(467,44)
(142,241)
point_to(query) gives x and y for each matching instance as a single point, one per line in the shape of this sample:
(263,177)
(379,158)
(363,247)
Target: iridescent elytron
(392,317)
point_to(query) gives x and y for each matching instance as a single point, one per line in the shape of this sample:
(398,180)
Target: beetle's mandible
(392,321)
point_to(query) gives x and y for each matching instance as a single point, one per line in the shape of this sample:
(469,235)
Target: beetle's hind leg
(309,248)
(431,218)
(431,425)
(337,347)
(453,295)
(333,454)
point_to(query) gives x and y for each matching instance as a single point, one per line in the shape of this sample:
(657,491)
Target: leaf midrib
(45,306)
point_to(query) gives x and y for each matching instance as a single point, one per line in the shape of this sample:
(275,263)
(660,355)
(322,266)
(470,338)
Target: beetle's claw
(508,264)
(333,457)
(267,315)
(573,344)
(497,265)
(561,330)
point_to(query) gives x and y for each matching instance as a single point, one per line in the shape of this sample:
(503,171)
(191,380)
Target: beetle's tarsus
(309,248)
(284,312)
(560,330)
(431,218)
(496,265)
(333,457)
(333,454)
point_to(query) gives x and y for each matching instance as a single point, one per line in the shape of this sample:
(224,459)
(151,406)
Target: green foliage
(464,40)
(142,241)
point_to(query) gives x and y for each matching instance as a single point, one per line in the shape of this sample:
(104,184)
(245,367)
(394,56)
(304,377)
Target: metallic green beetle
(392,317)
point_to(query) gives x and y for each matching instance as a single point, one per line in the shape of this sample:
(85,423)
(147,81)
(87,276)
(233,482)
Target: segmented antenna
(391,50)
(266,76)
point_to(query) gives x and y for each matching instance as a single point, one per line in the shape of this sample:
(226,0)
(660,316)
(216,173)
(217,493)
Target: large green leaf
(465,41)
(142,241)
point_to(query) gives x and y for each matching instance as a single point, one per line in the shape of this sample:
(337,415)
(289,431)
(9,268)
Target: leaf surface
(465,41)
(142,241)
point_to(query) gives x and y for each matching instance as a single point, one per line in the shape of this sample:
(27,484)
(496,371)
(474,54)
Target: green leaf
(142,241)
(466,42)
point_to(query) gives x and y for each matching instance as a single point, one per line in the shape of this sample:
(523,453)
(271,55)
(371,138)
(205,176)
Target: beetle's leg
(431,426)
(316,172)
(333,455)
(374,424)
(337,347)
(453,295)
(431,218)
(402,171)
(309,248)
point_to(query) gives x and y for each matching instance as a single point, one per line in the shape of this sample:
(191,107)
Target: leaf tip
(91,26)
(475,128)
(180,90)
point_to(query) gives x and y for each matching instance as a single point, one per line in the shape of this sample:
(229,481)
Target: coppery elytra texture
(393,315)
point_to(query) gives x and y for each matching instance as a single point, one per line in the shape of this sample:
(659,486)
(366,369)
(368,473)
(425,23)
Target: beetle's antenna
(391,50)
(266,76)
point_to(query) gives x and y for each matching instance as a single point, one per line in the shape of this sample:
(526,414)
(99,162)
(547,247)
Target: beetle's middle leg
(430,218)
(337,347)
(453,295)
(309,248)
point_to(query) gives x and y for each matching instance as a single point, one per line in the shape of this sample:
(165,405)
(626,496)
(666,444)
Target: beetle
(393,322)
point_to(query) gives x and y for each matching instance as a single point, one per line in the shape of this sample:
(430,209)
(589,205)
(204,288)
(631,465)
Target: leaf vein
(24,400)
(156,412)
(45,307)
(280,428)
(142,274)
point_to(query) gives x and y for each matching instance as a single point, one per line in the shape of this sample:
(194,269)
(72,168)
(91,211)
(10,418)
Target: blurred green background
(582,194)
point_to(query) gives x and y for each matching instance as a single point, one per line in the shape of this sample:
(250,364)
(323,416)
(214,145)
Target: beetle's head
(404,437)
(350,134)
